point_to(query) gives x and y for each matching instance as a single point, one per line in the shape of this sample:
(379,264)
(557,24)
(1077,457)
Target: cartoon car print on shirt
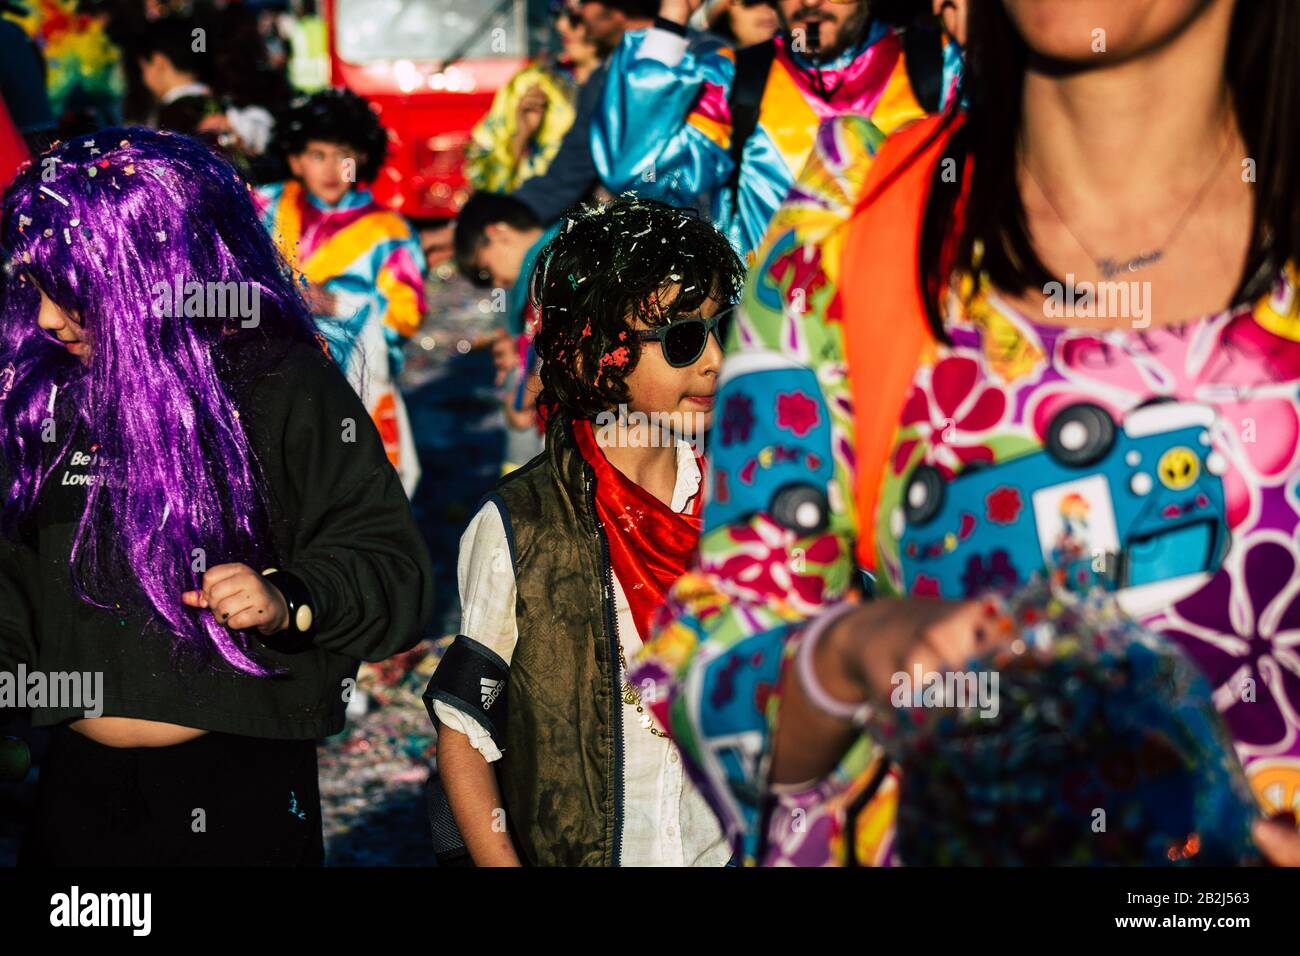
(775,424)
(1138,510)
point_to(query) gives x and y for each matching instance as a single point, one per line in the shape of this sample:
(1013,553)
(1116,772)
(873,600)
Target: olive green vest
(560,772)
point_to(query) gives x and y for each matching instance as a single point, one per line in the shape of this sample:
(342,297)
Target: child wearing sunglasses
(547,754)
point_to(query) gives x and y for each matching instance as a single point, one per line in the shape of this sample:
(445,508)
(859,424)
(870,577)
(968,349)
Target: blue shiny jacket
(663,129)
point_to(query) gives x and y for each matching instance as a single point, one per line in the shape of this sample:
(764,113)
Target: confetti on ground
(373,775)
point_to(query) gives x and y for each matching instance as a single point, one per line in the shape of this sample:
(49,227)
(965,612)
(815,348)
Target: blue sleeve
(664,126)
(572,174)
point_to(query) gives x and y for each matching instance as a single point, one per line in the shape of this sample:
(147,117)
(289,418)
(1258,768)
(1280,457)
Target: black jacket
(340,522)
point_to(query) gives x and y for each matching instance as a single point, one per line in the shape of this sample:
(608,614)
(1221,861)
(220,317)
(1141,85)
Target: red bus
(431,68)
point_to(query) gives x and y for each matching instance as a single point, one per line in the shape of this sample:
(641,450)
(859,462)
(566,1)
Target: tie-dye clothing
(369,259)
(664,129)
(1218,459)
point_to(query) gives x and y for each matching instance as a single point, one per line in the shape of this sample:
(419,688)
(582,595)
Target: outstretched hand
(882,638)
(856,661)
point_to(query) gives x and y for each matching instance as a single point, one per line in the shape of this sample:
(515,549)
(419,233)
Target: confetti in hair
(53,194)
(157,391)
(617,358)
(604,276)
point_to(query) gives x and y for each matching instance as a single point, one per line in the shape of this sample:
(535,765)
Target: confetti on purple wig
(177,472)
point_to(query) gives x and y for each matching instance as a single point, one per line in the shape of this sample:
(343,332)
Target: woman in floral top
(1140,146)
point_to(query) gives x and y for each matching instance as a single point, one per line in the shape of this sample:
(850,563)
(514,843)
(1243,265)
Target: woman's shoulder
(305,421)
(276,379)
(308,359)
(269,362)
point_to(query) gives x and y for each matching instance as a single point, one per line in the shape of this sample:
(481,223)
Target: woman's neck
(1138,161)
(1117,130)
(653,468)
(1109,134)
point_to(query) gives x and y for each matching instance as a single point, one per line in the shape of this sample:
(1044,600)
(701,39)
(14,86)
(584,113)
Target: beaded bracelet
(856,712)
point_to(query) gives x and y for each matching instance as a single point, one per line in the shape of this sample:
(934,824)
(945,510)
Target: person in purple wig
(198,521)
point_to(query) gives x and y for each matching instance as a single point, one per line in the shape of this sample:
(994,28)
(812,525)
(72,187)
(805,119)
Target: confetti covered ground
(373,774)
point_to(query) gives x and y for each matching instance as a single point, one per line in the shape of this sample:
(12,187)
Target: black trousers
(216,800)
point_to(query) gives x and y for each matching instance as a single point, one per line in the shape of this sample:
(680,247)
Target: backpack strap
(885,328)
(753,64)
(923,58)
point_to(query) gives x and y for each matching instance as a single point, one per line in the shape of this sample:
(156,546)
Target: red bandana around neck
(650,545)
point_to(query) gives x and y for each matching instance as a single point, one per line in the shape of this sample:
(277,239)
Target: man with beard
(731,130)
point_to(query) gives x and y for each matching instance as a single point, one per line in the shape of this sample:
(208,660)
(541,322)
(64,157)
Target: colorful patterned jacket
(665,127)
(367,257)
(1225,593)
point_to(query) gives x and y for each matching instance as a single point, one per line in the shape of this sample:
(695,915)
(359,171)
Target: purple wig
(97,224)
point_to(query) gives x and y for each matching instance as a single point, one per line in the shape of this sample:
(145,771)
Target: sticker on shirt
(774,430)
(1276,782)
(1137,509)
(1076,521)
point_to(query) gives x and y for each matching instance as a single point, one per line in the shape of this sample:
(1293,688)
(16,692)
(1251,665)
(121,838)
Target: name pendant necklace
(1108,267)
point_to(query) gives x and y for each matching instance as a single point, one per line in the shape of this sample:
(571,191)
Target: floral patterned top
(1187,509)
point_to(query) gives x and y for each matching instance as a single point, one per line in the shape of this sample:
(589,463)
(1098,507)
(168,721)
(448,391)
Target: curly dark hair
(334,116)
(609,267)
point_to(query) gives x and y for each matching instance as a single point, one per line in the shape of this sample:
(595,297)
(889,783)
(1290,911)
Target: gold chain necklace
(630,696)
(1108,267)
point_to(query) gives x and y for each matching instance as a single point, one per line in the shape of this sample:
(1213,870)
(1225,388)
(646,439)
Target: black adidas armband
(472,678)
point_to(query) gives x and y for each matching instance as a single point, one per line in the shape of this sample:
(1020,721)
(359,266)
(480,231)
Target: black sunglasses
(683,340)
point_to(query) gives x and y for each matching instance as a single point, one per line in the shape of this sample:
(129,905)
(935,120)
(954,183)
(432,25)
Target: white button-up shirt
(666,821)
